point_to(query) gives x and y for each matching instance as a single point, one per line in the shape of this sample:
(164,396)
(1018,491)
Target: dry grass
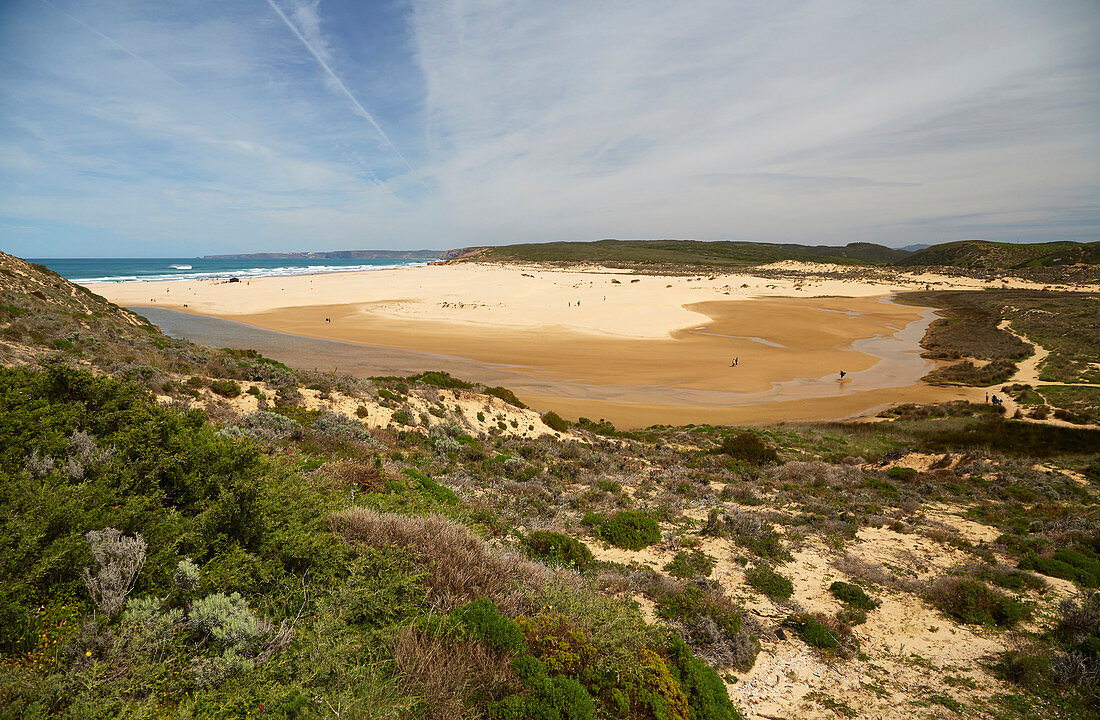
(815,472)
(461,566)
(450,676)
(358,474)
(856,567)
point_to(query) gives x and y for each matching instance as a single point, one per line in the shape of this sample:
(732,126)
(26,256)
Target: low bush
(1029,668)
(593,519)
(685,603)
(748,447)
(598,427)
(631,530)
(483,621)
(555,422)
(547,698)
(341,428)
(225,388)
(769,582)
(706,693)
(506,395)
(852,595)
(431,488)
(461,567)
(557,549)
(901,474)
(441,379)
(266,426)
(1066,564)
(967,373)
(975,603)
(690,564)
(827,635)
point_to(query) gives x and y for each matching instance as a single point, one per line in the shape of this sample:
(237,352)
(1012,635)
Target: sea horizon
(170,269)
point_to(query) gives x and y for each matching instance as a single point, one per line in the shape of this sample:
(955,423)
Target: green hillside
(970,254)
(685,252)
(981,254)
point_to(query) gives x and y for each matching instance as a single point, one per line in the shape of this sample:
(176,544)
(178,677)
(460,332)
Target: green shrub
(1067,564)
(705,691)
(555,422)
(748,447)
(598,427)
(551,698)
(1088,568)
(650,691)
(687,603)
(689,564)
(506,395)
(1028,669)
(557,549)
(430,487)
(401,417)
(441,379)
(814,631)
(593,519)
(189,489)
(631,530)
(1017,580)
(769,582)
(901,474)
(225,388)
(483,621)
(766,545)
(852,595)
(884,488)
(1048,566)
(975,603)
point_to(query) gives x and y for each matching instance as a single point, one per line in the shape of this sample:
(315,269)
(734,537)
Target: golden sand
(636,350)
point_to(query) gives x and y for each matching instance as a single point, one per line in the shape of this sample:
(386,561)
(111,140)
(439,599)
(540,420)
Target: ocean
(106,270)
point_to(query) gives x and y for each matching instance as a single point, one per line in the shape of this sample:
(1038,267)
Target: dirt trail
(1027,371)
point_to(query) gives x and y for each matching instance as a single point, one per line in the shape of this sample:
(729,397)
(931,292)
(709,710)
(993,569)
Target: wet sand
(789,350)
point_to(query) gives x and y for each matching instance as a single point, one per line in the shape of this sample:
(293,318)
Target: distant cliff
(335,254)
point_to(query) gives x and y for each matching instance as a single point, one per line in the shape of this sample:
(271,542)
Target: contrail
(135,56)
(331,74)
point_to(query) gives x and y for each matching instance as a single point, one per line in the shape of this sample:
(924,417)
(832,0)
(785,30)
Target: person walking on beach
(842,374)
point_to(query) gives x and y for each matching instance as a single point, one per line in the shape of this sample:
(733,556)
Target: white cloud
(622,119)
(218,126)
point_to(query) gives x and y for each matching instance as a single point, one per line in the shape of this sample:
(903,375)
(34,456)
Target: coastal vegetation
(990,332)
(668,254)
(322,546)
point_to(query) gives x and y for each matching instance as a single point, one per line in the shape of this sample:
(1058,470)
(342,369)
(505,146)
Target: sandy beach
(634,349)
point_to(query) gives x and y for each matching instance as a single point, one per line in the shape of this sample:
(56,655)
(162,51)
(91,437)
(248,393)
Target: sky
(131,128)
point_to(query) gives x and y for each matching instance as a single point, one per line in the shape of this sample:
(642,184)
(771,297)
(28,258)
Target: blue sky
(136,128)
